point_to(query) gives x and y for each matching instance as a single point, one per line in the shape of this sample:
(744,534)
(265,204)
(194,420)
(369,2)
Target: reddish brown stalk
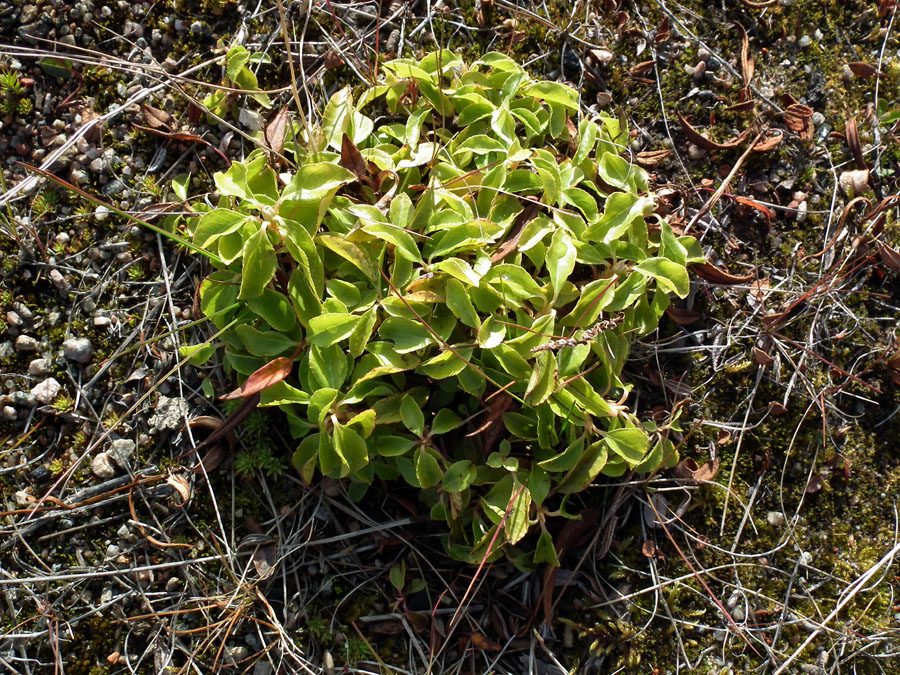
(828,363)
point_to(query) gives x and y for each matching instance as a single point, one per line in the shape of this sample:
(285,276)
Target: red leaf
(716,275)
(352,159)
(863,70)
(271,373)
(681,316)
(702,141)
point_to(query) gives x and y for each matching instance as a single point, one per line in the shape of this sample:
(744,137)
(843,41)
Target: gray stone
(40,367)
(170,413)
(26,343)
(13,319)
(8,413)
(6,349)
(23,311)
(102,466)
(121,452)
(59,280)
(47,391)
(78,350)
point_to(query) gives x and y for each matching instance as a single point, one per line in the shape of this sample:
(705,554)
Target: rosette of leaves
(445,293)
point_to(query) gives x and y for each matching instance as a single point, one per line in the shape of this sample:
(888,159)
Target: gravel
(26,343)
(47,391)
(78,350)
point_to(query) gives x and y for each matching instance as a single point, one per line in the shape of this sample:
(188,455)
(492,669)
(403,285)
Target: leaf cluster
(453,282)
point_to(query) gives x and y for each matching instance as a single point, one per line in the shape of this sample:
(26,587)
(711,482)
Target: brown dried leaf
(863,70)
(776,409)
(707,471)
(681,316)
(889,257)
(649,549)
(333,59)
(716,275)
(742,107)
(181,485)
(649,158)
(747,65)
(664,32)
(702,141)
(525,216)
(156,118)
(686,468)
(641,68)
(797,117)
(276,131)
(761,357)
(352,159)
(815,484)
(773,140)
(485,644)
(851,133)
(211,460)
(95,133)
(271,373)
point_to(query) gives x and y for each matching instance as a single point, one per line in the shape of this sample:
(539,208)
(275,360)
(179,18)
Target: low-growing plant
(445,293)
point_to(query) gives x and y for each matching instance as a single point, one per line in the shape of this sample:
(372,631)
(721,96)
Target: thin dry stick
(717,195)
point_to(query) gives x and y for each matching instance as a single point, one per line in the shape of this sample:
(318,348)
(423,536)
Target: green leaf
(412,416)
(327,367)
(459,303)
(336,117)
(320,404)
(446,364)
(553,92)
(216,223)
(459,476)
(264,343)
(393,446)
(428,471)
(235,60)
(275,308)
(560,260)
(364,422)
(317,181)
(218,292)
(629,443)
(197,355)
(491,333)
(621,210)
(445,420)
(407,334)
(519,515)
(351,253)
(668,274)
(565,460)
(361,335)
(591,463)
(615,170)
(543,379)
(328,329)
(351,448)
(403,242)
(481,144)
(306,302)
(259,265)
(545,551)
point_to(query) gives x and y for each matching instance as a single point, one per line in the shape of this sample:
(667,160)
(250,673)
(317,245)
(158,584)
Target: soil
(770,548)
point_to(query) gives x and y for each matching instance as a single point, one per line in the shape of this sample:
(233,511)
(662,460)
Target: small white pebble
(775,518)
